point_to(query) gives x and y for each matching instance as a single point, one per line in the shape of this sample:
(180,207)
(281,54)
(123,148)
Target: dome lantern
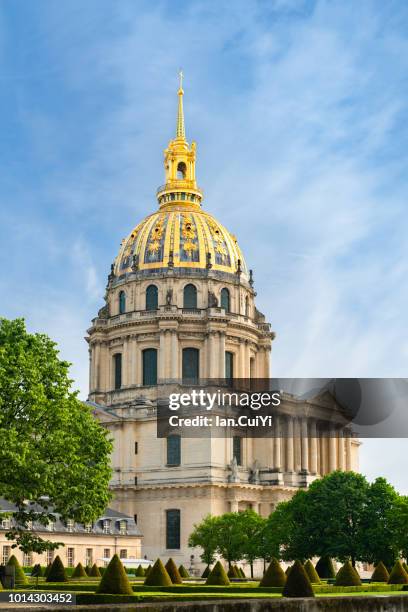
(180,187)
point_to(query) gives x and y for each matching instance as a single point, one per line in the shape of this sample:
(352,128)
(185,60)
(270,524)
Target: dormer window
(70,525)
(5,523)
(88,527)
(122,527)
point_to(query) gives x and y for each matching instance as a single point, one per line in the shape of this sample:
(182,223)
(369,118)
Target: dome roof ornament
(180,132)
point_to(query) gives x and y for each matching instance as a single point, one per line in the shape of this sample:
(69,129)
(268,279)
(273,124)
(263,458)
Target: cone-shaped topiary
(57,571)
(242,573)
(173,572)
(114,579)
(405,566)
(36,572)
(274,575)
(158,575)
(347,576)
(79,572)
(19,574)
(232,572)
(287,570)
(380,573)
(325,568)
(238,572)
(297,582)
(311,572)
(206,572)
(94,572)
(47,570)
(140,571)
(218,576)
(398,574)
(148,569)
(183,572)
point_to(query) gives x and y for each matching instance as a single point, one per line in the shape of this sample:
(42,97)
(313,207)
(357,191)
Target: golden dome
(183,236)
(180,234)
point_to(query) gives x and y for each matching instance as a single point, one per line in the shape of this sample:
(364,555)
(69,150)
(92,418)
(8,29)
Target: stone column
(234,505)
(162,356)
(91,368)
(332,449)
(313,447)
(211,359)
(304,445)
(348,450)
(277,446)
(138,363)
(290,457)
(221,356)
(125,363)
(341,463)
(174,356)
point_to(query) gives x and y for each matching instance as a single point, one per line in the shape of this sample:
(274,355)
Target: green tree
(230,536)
(378,537)
(333,521)
(52,451)
(399,522)
(204,536)
(252,525)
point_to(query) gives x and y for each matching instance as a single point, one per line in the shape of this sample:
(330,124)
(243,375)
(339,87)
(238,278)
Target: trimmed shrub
(139,571)
(218,576)
(274,575)
(232,572)
(158,575)
(36,572)
(47,570)
(242,573)
(297,582)
(405,566)
(380,573)
(347,576)
(287,570)
(398,574)
(19,574)
(173,572)
(147,570)
(311,572)
(325,568)
(79,572)
(57,571)
(183,572)
(114,579)
(206,572)
(94,572)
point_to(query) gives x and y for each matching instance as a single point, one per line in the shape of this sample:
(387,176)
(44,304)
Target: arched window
(117,367)
(191,365)
(190,297)
(152,299)
(122,302)
(229,366)
(225,299)
(247,306)
(181,170)
(149,366)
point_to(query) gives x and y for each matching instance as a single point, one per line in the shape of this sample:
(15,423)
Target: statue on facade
(233,477)
(169,297)
(135,263)
(212,300)
(254,473)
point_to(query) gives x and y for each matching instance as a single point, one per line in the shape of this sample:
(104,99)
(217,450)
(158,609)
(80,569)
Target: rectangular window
(70,525)
(229,366)
(123,553)
(88,528)
(173,529)
(135,481)
(27,559)
(6,554)
(50,526)
(173,450)
(149,357)
(89,557)
(136,448)
(50,556)
(117,361)
(70,557)
(106,526)
(135,518)
(237,449)
(5,523)
(190,365)
(106,556)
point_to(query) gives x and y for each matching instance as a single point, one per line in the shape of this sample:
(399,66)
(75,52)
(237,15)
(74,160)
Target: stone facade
(177,246)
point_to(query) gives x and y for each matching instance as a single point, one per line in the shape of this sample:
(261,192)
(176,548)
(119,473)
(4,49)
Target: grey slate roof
(59,526)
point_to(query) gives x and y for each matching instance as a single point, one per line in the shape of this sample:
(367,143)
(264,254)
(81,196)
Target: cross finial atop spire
(180,132)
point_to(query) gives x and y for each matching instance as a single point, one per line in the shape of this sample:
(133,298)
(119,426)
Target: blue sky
(299,110)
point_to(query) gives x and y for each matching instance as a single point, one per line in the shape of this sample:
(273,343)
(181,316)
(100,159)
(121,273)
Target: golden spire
(180,115)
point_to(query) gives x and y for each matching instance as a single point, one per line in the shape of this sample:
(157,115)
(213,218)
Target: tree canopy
(52,451)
